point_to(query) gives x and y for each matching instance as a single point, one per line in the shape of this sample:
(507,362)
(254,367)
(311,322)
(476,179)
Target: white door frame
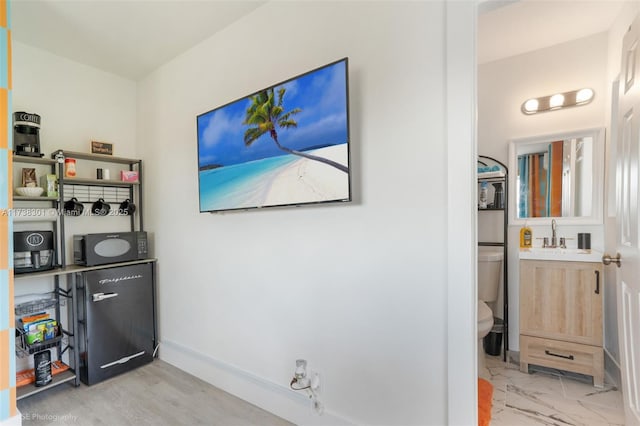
(461,124)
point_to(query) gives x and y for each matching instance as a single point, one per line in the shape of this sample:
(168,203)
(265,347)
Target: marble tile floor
(549,397)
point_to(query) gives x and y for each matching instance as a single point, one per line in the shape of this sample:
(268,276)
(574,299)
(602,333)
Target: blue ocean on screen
(240,185)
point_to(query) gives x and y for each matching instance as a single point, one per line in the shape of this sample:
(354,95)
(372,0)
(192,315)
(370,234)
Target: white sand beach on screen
(307,180)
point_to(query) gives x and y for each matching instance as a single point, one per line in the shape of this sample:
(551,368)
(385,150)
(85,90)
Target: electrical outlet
(308,382)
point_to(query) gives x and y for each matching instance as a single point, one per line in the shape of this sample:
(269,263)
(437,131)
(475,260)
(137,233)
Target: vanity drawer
(575,357)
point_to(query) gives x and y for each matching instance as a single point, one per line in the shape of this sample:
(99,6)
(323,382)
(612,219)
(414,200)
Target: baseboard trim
(270,396)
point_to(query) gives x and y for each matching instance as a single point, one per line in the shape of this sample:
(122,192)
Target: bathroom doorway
(523,31)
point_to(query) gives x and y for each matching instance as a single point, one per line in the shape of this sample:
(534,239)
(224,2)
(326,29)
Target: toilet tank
(489,274)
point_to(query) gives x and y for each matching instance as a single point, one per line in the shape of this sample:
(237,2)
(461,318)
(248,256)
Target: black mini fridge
(117,321)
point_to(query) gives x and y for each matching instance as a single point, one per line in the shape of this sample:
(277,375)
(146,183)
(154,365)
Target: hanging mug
(73,207)
(127,207)
(101,208)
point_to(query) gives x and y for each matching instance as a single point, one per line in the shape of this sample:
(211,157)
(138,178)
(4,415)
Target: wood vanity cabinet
(561,316)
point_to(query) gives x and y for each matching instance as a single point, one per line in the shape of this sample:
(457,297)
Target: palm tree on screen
(266,115)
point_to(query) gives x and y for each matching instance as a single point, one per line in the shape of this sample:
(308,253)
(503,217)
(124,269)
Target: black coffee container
(498,196)
(42,366)
(584,241)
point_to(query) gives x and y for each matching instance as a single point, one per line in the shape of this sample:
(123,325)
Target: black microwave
(110,247)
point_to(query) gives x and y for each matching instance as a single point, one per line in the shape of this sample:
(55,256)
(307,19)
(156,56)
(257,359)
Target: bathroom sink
(563,254)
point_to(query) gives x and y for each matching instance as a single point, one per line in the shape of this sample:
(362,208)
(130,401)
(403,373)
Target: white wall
(77,103)
(359,290)
(503,86)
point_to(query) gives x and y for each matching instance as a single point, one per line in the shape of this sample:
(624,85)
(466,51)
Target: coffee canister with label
(42,366)
(70,167)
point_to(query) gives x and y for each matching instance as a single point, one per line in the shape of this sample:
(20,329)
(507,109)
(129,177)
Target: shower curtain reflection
(540,182)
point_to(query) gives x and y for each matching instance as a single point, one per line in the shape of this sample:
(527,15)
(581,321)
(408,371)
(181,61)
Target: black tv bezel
(309,203)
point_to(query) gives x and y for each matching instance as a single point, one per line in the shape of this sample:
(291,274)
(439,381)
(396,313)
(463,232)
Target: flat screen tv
(284,145)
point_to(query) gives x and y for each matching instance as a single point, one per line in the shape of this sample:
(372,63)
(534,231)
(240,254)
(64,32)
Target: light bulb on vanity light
(584,95)
(531,105)
(556,101)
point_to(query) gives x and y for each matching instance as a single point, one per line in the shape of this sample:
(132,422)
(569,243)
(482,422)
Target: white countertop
(560,254)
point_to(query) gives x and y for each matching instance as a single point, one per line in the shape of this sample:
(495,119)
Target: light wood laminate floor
(155,394)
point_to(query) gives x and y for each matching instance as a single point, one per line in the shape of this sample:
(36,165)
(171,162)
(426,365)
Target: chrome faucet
(554,238)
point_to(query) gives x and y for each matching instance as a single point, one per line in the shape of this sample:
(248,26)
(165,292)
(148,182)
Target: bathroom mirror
(557,176)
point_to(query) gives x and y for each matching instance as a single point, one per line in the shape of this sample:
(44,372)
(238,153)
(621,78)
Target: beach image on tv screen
(284,145)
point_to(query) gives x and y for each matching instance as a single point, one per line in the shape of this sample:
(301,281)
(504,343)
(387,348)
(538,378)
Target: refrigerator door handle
(122,360)
(97,297)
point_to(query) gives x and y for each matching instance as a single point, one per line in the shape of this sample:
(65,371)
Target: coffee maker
(32,251)
(26,134)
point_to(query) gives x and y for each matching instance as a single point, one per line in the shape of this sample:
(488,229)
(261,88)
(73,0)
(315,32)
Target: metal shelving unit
(58,379)
(52,201)
(63,342)
(65,339)
(489,161)
(24,198)
(65,276)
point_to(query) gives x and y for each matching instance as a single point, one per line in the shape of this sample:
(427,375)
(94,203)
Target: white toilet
(489,273)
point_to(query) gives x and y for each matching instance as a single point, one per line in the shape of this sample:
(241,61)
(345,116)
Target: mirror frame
(596,217)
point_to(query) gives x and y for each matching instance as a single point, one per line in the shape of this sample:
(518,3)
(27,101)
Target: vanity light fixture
(557,101)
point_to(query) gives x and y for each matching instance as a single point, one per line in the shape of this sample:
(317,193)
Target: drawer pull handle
(558,355)
(597,282)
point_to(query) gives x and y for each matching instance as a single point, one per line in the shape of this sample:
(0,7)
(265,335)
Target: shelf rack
(33,160)
(58,379)
(65,276)
(89,190)
(34,306)
(25,198)
(490,161)
(43,215)
(24,349)
(65,339)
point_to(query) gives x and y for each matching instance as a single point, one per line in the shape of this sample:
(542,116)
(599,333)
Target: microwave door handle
(97,297)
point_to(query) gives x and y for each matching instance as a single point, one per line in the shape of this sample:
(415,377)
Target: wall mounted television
(286,145)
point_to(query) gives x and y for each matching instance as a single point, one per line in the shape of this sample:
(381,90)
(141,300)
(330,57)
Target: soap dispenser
(526,237)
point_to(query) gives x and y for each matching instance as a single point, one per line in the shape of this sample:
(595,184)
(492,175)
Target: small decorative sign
(101,148)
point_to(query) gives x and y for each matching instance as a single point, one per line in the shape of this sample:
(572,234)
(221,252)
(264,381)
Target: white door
(628,223)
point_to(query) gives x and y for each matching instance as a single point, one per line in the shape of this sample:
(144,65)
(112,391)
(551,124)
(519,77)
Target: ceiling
(509,28)
(131,38)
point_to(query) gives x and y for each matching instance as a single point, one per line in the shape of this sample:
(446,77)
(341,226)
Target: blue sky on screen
(323,121)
